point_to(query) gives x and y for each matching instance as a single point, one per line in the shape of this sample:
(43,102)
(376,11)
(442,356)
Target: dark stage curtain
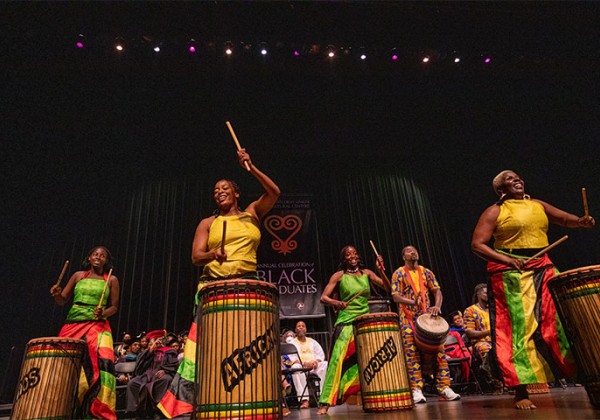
(150,231)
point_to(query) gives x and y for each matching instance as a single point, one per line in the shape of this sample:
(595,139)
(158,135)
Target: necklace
(352,270)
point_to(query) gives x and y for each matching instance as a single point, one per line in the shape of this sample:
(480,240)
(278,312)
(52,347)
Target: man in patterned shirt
(411,285)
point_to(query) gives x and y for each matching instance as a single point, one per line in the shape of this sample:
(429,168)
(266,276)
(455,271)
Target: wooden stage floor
(564,404)
(569,403)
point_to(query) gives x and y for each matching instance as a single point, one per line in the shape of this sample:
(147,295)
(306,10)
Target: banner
(287,257)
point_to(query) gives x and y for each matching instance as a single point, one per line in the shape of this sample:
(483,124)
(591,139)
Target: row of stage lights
(262,49)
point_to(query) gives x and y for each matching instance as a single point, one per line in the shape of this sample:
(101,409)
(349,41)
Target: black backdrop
(123,151)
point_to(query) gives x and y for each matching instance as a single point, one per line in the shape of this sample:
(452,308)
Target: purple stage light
(394,57)
(79,44)
(487,60)
(296,53)
(192,49)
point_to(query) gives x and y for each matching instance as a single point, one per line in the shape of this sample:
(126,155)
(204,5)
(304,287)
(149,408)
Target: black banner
(288,257)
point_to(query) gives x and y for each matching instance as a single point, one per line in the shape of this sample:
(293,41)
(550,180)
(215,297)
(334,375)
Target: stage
(570,403)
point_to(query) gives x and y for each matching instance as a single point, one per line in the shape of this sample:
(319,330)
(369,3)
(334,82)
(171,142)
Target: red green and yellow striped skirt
(530,344)
(97,383)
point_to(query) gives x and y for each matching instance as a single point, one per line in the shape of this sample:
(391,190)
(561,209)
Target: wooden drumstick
(355,296)
(548,248)
(105,287)
(237,143)
(385,277)
(374,249)
(62,273)
(585,204)
(223,237)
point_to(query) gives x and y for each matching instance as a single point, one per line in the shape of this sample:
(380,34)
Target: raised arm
(326,298)
(62,296)
(378,281)
(562,218)
(267,200)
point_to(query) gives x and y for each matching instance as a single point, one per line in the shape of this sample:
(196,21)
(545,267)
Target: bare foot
(524,404)
(323,410)
(286,412)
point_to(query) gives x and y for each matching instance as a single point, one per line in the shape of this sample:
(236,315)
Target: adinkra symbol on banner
(290,223)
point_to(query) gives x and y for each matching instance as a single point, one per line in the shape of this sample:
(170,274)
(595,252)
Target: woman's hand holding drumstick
(548,248)
(237,143)
(99,310)
(380,265)
(56,289)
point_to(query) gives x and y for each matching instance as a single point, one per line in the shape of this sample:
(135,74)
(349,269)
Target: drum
(576,294)
(379,305)
(384,382)
(430,333)
(238,351)
(48,380)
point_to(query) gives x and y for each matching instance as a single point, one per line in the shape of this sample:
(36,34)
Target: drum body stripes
(430,333)
(576,294)
(382,367)
(48,380)
(379,305)
(238,357)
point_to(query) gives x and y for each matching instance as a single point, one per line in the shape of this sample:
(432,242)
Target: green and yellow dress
(341,380)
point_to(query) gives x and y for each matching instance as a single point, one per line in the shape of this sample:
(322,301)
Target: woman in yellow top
(529,342)
(235,259)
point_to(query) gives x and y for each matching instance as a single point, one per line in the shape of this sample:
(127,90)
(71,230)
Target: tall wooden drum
(382,368)
(48,380)
(238,351)
(576,294)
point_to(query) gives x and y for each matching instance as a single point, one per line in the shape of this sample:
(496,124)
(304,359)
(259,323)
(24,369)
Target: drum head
(433,324)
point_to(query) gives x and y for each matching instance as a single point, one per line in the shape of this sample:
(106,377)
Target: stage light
(487,60)
(296,53)
(457,60)
(425,59)
(262,47)
(228,48)
(192,46)
(80,43)
(156,48)
(362,53)
(330,51)
(119,44)
(394,54)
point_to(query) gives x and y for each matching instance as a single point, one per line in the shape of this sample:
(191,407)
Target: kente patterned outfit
(243,238)
(477,319)
(401,285)
(97,392)
(530,344)
(341,380)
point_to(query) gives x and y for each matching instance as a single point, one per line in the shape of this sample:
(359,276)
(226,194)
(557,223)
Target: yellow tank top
(242,238)
(521,224)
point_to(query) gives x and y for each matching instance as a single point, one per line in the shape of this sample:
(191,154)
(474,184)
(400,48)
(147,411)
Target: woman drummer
(87,319)
(233,257)
(529,344)
(352,282)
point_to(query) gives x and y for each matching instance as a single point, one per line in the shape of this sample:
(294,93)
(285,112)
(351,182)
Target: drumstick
(585,205)
(223,238)
(104,291)
(374,249)
(237,143)
(385,277)
(62,273)
(548,248)
(355,296)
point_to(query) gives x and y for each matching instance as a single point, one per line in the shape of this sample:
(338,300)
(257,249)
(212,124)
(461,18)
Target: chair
(455,363)
(312,381)
(125,368)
